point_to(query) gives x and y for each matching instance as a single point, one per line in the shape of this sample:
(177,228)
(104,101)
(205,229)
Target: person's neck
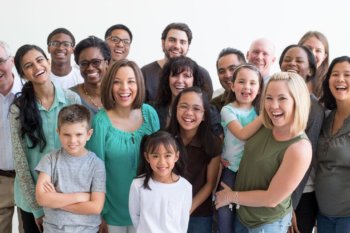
(61,69)
(187,136)
(92,90)
(45,94)
(162,62)
(5,89)
(343,110)
(122,112)
(284,133)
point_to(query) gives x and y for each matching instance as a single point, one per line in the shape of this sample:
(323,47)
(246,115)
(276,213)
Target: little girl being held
(160,199)
(240,121)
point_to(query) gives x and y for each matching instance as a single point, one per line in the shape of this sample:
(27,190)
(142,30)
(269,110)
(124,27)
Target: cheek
(189,82)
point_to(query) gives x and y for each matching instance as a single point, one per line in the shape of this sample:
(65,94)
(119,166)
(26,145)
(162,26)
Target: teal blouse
(120,151)
(26,159)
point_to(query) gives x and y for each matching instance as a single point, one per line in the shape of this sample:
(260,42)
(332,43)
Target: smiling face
(35,67)
(61,53)
(74,136)
(226,66)
(339,82)
(119,44)
(125,87)
(296,59)
(279,105)
(180,81)
(94,72)
(162,162)
(190,112)
(246,87)
(175,44)
(317,48)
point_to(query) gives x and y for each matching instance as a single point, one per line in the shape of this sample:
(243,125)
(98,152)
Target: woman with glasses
(33,117)
(118,130)
(92,55)
(180,73)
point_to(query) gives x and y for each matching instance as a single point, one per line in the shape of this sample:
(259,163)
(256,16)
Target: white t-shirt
(70,80)
(164,208)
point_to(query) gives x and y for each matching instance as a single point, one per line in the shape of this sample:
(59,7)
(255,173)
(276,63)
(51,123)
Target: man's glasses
(94,62)
(3,61)
(66,44)
(117,40)
(185,108)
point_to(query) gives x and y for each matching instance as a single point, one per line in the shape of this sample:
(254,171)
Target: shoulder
(72,97)
(148,110)
(138,182)
(183,182)
(149,66)
(300,148)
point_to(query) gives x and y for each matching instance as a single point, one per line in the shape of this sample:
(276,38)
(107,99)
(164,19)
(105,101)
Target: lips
(39,73)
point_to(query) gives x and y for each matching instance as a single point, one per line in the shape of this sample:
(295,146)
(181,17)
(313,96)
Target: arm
(93,206)
(47,196)
(23,174)
(244,133)
(296,161)
(134,204)
(207,189)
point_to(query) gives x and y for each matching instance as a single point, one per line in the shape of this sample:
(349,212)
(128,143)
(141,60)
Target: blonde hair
(300,94)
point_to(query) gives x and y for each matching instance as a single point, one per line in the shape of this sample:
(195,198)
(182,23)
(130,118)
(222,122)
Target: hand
(103,227)
(224,162)
(223,196)
(49,187)
(39,223)
(84,197)
(294,227)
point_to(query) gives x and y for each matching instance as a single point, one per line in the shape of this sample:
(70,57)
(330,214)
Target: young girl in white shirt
(160,199)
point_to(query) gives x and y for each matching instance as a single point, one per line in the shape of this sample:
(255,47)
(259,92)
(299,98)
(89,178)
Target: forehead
(191,98)
(125,72)
(313,41)
(178,34)
(31,55)
(61,37)
(277,87)
(228,60)
(90,53)
(262,46)
(3,53)
(71,127)
(247,74)
(296,52)
(120,33)
(341,66)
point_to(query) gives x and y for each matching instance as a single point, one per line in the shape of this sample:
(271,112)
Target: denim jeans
(200,225)
(279,226)
(332,224)
(226,215)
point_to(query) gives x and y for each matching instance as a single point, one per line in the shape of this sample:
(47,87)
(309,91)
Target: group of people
(107,146)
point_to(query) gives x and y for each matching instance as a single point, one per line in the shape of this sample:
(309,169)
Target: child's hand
(49,187)
(224,162)
(223,196)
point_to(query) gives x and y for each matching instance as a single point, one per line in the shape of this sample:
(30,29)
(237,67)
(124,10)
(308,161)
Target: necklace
(90,98)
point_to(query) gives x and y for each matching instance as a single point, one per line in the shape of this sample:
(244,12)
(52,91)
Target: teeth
(92,74)
(187,120)
(118,51)
(124,95)
(39,73)
(340,87)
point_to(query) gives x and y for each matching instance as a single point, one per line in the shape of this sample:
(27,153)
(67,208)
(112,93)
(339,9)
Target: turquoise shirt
(120,150)
(26,159)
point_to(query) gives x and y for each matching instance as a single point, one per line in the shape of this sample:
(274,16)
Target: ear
(273,60)
(177,156)
(247,56)
(163,45)
(232,86)
(89,134)
(146,156)
(49,61)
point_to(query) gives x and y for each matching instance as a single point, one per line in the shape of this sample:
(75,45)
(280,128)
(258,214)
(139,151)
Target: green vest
(262,157)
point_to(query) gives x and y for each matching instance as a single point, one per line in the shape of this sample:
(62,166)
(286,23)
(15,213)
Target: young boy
(72,181)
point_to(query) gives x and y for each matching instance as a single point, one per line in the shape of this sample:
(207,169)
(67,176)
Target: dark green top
(262,157)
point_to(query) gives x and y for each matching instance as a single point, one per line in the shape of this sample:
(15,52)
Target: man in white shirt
(9,86)
(60,45)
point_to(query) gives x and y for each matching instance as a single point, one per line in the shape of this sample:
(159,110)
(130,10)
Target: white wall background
(215,24)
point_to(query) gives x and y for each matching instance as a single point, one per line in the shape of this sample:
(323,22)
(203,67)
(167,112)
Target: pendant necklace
(90,98)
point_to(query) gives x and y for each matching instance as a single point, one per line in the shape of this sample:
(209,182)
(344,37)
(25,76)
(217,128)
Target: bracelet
(236,200)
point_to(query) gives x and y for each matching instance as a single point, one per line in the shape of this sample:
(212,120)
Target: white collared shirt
(6,157)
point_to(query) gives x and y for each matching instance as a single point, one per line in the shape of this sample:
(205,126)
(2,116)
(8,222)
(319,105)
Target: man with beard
(176,39)
(60,45)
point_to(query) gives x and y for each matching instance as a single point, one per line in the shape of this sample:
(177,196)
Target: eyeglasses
(94,62)
(185,108)
(117,40)
(57,44)
(3,61)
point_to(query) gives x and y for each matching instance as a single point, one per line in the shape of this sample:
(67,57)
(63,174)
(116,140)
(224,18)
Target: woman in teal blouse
(33,117)
(118,130)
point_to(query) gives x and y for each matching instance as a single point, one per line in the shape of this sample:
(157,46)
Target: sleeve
(99,178)
(23,175)
(207,84)
(72,97)
(227,115)
(215,121)
(186,207)
(45,165)
(97,141)
(153,118)
(134,203)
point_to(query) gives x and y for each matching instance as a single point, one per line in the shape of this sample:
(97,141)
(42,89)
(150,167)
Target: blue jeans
(226,216)
(279,226)
(200,224)
(333,224)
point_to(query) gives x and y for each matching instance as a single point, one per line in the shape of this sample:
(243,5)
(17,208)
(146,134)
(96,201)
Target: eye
(27,66)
